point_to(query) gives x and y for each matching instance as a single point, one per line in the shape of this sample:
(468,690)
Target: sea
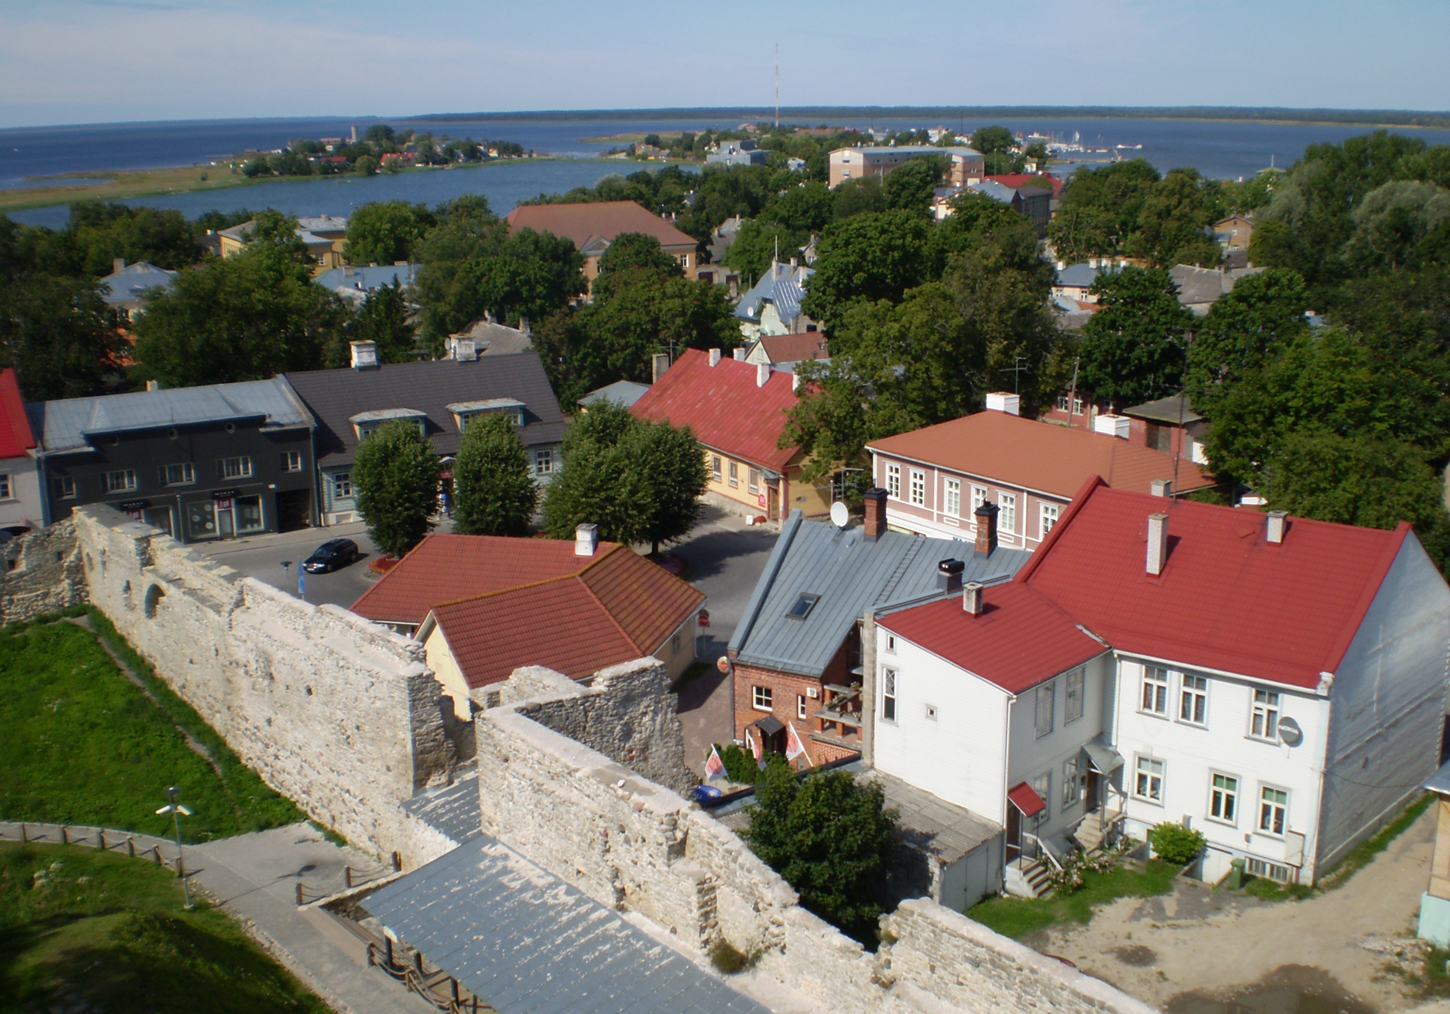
(1224,149)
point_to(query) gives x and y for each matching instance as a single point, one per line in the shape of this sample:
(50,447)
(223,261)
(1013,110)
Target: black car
(330,556)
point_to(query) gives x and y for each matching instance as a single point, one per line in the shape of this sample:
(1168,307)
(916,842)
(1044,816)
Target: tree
(100,233)
(831,838)
(383,317)
(1100,208)
(992,140)
(493,490)
(910,187)
(531,275)
(1133,347)
(395,476)
(1355,480)
(869,257)
(758,243)
(59,335)
(386,232)
(1172,222)
(1243,330)
(1392,224)
(671,464)
(637,250)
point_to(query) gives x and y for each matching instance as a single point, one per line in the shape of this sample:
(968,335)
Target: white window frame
(1268,809)
(1153,697)
(953,497)
(341,485)
(1074,699)
(122,480)
(1047,515)
(753,481)
(918,488)
(890,689)
(734,475)
(1223,800)
(979,497)
(291,461)
(1007,519)
(1264,716)
(893,481)
(1193,697)
(544,461)
(65,487)
(239,467)
(1042,785)
(716,468)
(187,475)
(1044,701)
(1145,775)
(1071,783)
(800,707)
(762,699)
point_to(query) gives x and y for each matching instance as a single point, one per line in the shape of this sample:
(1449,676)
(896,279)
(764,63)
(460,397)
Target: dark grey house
(440,396)
(198,462)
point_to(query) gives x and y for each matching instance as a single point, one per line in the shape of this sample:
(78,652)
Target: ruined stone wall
(42,574)
(337,713)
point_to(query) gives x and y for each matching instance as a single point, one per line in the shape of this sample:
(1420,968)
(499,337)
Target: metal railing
(437,987)
(1041,849)
(352,877)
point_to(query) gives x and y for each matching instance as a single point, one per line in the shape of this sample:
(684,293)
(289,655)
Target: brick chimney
(972,598)
(986,516)
(1274,527)
(1157,543)
(875,513)
(586,540)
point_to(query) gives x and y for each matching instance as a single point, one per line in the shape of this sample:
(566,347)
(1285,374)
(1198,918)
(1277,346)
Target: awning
(1103,758)
(769,725)
(1025,799)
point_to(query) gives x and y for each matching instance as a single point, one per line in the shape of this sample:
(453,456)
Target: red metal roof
(1020,639)
(723,405)
(581,223)
(1227,599)
(1026,799)
(15,435)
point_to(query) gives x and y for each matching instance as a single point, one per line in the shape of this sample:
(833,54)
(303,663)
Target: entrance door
(1014,833)
(224,519)
(772,502)
(160,517)
(1093,791)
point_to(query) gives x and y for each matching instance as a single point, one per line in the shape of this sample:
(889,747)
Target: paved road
(262,556)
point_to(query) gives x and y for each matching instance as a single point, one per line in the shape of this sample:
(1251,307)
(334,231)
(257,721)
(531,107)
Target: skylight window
(803,606)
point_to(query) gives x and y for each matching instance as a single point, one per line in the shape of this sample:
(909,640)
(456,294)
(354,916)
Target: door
(772,502)
(1014,833)
(1093,791)
(160,517)
(224,519)
(294,510)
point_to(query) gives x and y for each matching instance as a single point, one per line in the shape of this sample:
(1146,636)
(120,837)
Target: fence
(436,986)
(352,878)
(103,838)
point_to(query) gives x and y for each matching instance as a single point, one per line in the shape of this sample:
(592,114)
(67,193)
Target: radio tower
(777,86)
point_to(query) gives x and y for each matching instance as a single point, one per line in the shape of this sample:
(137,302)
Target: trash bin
(1236,874)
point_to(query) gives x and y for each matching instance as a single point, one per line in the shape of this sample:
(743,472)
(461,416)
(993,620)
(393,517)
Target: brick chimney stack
(875,513)
(986,516)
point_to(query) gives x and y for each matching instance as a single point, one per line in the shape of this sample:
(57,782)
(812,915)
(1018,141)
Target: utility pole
(1072,393)
(1017,369)
(777,87)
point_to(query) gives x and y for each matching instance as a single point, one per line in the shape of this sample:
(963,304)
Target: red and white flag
(714,766)
(793,746)
(754,743)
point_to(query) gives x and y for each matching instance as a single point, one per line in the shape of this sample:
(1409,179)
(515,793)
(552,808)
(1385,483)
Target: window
(800,707)
(803,606)
(1269,871)
(65,487)
(1076,686)
(121,481)
(979,497)
(1045,698)
(891,643)
(1149,781)
(1155,690)
(5,493)
(760,698)
(1273,805)
(734,474)
(675,645)
(893,481)
(249,514)
(754,485)
(544,461)
(1062,404)
(201,519)
(1007,520)
(1223,799)
(291,461)
(953,506)
(888,695)
(1042,785)
(1193,699)
(342,486)
(234,468)
(1047,517)
(1071,789)
(918,487)
(715,468)
(1266,715)
(178,475)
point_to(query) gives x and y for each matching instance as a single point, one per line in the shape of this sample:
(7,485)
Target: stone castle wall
(42,574)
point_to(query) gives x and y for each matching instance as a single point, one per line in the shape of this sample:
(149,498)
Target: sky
(100,61)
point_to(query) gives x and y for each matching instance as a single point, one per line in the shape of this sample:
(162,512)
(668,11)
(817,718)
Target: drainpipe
(868,687)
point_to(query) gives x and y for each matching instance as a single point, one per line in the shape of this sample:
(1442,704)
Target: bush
(1175,843)
(727,960)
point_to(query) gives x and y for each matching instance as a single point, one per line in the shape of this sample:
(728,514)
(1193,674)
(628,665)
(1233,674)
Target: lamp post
(177,811)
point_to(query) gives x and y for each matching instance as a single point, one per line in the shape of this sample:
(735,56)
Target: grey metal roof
(931,824)
(65,425)
(623,393)
(528,943)
(1173,409)
(335,396)
(851,575)
(1440,780)
(128,284)
(783,285)
(993,189)
(369,278)
(1079,276)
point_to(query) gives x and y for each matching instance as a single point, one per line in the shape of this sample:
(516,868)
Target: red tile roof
(1038,456)
(727,411)
(15,435)
(1020,639)
(597,220)
(1227,599)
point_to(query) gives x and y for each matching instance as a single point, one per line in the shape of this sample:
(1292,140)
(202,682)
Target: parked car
(330,556)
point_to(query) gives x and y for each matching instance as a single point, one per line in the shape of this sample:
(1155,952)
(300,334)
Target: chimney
(986,516)
(153,385)
(586,539)
(972,598)
(738,354)
(364,355)
(795,382)
(524,325)
(1157,543)
(1113,425)
(949,575)
(465,350)
(762,374)
(714,358)
(1274,527)
(1001,401)
(1162,487)
(118,265)
(875,513)
(658,364)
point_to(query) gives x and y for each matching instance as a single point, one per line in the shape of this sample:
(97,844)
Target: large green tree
(1244,330)
(395,475)
(59,335)
(103,232)
(1173,222)
(383,317)
(1100,209)
(493,490)
(865,258)
(385,232)
(1133,347)
(910,187)
(1354,480)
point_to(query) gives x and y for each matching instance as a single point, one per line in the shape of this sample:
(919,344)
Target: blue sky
(71,61)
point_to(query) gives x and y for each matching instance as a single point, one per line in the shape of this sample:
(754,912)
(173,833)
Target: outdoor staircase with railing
(1098,828)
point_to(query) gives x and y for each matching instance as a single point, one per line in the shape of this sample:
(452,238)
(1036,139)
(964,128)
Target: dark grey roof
(931,824)
(1173,409)
(65,425)
(335,396)
(453,809)
(623,393)
(494,339)
(528,943)
(1079,275)
(783,285)
(851,575)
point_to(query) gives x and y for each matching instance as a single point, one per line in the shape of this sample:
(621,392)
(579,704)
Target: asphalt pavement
(263,556)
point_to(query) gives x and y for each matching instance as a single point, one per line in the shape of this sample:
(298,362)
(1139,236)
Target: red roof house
(20,500)
(592,226)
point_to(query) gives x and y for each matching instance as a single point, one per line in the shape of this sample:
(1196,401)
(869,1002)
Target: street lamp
(178,811)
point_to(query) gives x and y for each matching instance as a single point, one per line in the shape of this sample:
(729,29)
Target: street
(263,556)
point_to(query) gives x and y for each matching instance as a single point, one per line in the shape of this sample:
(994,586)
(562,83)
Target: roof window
(803,606)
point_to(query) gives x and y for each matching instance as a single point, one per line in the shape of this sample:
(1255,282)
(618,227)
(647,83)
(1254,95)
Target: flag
(754,744)
(793,746)
(714,766)
(301,580)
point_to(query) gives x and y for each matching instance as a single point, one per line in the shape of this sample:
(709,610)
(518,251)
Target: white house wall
(24,505)
(1388,702)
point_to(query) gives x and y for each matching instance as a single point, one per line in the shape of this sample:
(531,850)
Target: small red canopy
(1025,799)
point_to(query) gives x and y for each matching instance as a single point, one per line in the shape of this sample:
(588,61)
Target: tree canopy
(383,317)
(395,475)
(1133,347)
(869,257)
(386,232)
(493,488)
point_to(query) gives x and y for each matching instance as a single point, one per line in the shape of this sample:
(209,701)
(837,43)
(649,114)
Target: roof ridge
(609,613)
(1091,486)
(503,591)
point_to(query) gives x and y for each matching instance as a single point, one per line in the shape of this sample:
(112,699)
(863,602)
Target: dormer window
(465,411)
(365,424)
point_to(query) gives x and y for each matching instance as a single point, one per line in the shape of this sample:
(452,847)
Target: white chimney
(795,382)
(972,598)
(153,385)
(659,365)
(714,357)
(1162,487)
(1001,401)
(118,264)
(762,374)
(1274,527)
(1157,543)
(364,355)
(1112,425)
(739,354)
(464,350)
(586,539)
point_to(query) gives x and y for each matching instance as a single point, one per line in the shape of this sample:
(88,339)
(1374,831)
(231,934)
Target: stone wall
(337,713)
(42,574)
(631,843)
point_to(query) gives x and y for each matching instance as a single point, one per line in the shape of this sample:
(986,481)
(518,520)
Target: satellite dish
(839,515)
(1289,732)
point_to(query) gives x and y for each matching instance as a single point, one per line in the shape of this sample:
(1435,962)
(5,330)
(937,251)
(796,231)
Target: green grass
(1021,917)
(81,744)
(82,929)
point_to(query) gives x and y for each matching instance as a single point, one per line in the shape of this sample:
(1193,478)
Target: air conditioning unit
(812,692)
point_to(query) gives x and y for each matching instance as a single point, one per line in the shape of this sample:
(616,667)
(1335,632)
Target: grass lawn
(1021,917)
(82,744)
(87,930)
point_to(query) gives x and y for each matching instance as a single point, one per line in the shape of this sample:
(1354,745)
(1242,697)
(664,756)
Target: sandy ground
(1173,950)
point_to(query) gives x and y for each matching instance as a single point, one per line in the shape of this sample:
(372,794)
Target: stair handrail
(1043,848)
